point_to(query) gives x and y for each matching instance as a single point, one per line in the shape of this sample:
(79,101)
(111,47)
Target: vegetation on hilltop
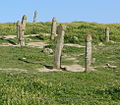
(74,34)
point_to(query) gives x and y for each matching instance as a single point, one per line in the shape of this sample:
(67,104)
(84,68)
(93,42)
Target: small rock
(101,44)
(48,51)
(75,38)
(24,58)
(110,66)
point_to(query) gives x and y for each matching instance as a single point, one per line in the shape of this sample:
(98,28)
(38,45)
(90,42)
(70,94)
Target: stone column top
(24,18)
(62,27)
(88,38)
(54,19)
(107,28)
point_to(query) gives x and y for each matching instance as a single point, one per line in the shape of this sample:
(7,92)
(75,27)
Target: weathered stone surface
(88,52)
(107,32)
(53,28)
(22,31)
(35,16)
(18,28)
(59,46)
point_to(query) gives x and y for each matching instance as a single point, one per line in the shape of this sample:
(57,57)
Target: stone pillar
(22,31)
(88,52)
(107,33)
(53,28)
(18,28)
(59,46)
(35,17)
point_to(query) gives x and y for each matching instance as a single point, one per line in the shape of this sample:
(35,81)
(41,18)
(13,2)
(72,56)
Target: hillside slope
(74,34)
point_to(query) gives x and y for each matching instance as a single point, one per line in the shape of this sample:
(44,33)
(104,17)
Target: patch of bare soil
(74,45)
(73,68)
(37,44)
(31,35)
(66,68)
(10,36)
(45,34)
(12,69)
(31,44)
(71,59)
(14,36)
(45,69)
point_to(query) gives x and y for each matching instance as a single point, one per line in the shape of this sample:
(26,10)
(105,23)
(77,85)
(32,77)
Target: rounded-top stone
(62,27)
(24,17)
(88,37)
(54,19)
(107,28)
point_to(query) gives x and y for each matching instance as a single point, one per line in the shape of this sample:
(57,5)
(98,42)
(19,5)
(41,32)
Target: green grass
(7,41)
(38,38)
(31,28)
(101,87)
(59,88)
(74,34)
(10,57)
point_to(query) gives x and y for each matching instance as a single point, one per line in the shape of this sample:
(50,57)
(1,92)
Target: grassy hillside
(22,84)
(101,87)
(74,34)
(10,28)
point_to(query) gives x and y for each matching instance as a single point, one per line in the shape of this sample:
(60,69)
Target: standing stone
(18,28)
(107,32)
(59,46)
(88,52)
(24,21)
(22,31)
(35,17)
(53,28)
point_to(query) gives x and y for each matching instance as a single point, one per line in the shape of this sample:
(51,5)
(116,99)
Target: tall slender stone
(24,21)
(88,52)
(35,16)
(18,28)
(22,31)
(53,28)
(107,34)
(59,46)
